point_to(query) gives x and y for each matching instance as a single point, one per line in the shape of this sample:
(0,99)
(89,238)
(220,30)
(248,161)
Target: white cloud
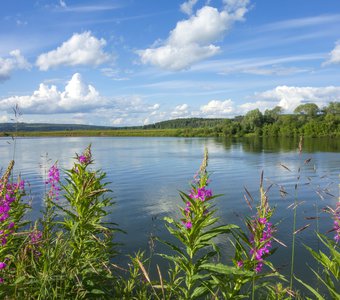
(289,97)
(4,119)
(187,6)
(76,97)
(181,111)
(334,55)
(217,108)
(80,49)
(191,40)
(261,105)
(15,61)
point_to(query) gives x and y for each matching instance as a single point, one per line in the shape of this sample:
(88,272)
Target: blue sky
(134,62)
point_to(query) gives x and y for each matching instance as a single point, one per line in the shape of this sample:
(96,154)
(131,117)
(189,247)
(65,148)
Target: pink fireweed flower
(53,181)
(188,225)
(86,157)
(240,264)
(201,194)
(2,265)
(258,267)
(260,239)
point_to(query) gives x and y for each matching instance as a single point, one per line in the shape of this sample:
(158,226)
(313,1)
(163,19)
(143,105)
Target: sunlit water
(145,175)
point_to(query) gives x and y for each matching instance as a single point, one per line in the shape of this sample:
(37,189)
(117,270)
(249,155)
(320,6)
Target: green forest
(307,120)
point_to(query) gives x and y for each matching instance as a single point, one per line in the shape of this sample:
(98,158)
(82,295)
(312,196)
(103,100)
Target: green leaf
(315,292)
(224,269)
(97,292)
(199,292)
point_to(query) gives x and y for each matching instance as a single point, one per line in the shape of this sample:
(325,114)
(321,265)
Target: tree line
(307,120)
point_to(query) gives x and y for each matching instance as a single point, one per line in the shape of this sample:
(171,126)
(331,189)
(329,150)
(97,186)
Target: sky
(136,62)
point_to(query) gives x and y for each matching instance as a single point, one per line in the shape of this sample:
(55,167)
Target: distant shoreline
(179,132)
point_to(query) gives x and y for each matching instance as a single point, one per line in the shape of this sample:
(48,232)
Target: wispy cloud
(301,22)
(264,65)
(64,7)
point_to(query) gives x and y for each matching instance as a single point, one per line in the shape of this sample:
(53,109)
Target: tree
(252,120)
(272,115)
(309,109)
(333,108)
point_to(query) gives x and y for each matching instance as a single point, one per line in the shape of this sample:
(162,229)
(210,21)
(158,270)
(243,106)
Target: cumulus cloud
(289,97)
(15,62)
(76,97)
(187,6)
(217,108)
(180,111)
(80,49)
(334,56)
(192,39)
(261,105)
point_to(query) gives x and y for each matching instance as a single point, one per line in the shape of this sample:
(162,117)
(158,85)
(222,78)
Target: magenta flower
(201,194)
(86,157)
(53,181)
(2,265)
(188,225)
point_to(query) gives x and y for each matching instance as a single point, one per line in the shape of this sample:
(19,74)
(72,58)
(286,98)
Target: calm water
(147,173)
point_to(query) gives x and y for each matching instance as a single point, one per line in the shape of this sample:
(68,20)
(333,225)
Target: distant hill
(170,124)
(12,127)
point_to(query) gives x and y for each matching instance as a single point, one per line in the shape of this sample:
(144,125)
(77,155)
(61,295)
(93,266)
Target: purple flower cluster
(261,242)
(8,194)
(262,246)
(201,194)
(7,197)
(53,181)
(86,157)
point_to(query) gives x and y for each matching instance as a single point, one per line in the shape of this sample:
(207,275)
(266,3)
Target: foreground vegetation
(70,252)
(309,120)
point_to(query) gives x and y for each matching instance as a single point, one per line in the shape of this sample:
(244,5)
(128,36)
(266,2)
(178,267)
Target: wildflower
(188,225)
(86,157)
(53,181)
(240,264)
(35,237)
(2,265)
(201,194)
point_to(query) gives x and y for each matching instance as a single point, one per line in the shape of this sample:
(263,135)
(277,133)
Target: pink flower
(2,265)
(188,225)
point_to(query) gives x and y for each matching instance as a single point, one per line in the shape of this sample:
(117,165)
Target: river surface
(145,175)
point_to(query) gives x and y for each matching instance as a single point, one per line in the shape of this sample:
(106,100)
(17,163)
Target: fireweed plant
(67,253)
(194,268)
(12,211)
